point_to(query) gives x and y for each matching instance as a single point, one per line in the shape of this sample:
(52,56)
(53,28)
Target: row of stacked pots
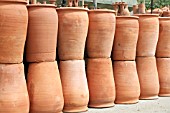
(72,87)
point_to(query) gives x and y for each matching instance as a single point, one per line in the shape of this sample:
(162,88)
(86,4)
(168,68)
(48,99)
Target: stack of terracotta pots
(13,91)
(73,27)
(99,65)
(163,56)
(44,84)
(124,54)
(146,61)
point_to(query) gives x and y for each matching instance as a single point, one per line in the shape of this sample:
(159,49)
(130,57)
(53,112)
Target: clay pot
(33,1)
(126,82)
(73,27)
(74,83)
(125,11)
(116,7)
(101,33)
(13,91)
(126,36)
(12,38)
(148,34)
(70,3)
(142,8)
(163,46)
(158,11)
(148,77)
(166,13)
(100,80)
(44,87)
(163,65)
(42,33)
(76,3)
(52,2)
(135,9)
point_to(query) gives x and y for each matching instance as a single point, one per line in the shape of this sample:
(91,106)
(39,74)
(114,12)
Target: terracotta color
(70,3)
(166,13)
(148,77)
(158,11)
(42,33)
(126,81)
(142,8)
(76,3)
(163,46)
(125,11)
(13,91)
(52,2)
(44,87)
(75,88)
(12,38)
(101,33)
(163,65)
(73,27)
(148,34)
(126,36)
(135,9)
(101,82)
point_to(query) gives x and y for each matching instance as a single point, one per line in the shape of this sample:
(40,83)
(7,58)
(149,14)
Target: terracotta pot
(70,3)
(158,11)
(73,27)
(125,11)
(100,80)
(142,8)
(52,2)
(75,88)
(163,46)
(126,36)
(135,9)
(12,38)
(44,87)
(148,34)
(76,3)
(148,77)
(163,65)
(13,91)
(101,33)
(126,82)
(166,13)
(42,33)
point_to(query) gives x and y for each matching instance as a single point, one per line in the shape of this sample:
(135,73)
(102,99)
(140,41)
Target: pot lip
(164,18)
(102,10)
(71,8)
(133,17)
(149,15)
(12,1)
(41,5)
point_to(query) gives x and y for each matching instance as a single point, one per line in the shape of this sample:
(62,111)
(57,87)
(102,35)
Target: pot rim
(71,8)
(102,10)
(41,5)
(153,15)
(12,1)
(133,17)
(164,18)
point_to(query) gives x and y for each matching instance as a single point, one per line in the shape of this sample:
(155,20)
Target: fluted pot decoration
(101,33)
(42,33)
(126,36)
(73,27)
(13,30)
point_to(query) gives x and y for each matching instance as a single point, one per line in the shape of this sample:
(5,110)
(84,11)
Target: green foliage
(157,3)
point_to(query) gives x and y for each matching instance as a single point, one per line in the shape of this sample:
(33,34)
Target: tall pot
(42,33)
(126,36)
(101,33)
(73,27)
(148,34)
(163,46)
(44,87)
(74,83)
(148,77)
(13,30)
(100,82)
(13,91)
(126,82)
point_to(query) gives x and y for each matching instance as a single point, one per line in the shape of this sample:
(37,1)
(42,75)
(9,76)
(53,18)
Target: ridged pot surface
(101,33)
(73,27)
(74,83)
(148,35)
(166,13)
(42,33)
(163,46)
(148,77)
(100,82)
(126,82)
(13,29)
(126,36)
(163,65)
(44,87)
(13,91)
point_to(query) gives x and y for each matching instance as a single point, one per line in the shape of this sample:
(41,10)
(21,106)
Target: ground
(161,105)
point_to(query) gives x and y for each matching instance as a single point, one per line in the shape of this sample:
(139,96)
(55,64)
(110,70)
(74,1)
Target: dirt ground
(161,105)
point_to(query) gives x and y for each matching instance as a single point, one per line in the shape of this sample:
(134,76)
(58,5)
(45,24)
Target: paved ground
(161,105)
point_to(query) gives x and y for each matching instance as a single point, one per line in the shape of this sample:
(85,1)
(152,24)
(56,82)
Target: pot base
(164,95)
(105,105)
(127,102)
(148,98)
(75,109)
